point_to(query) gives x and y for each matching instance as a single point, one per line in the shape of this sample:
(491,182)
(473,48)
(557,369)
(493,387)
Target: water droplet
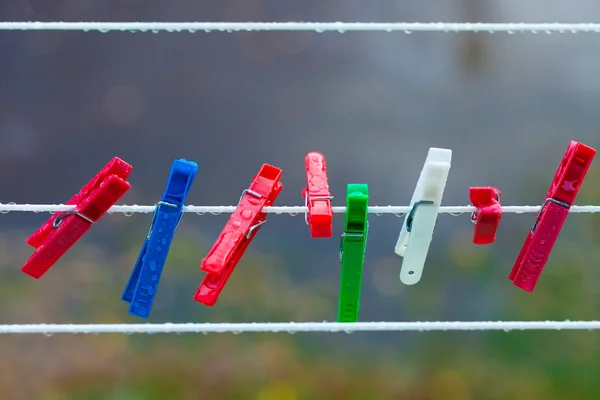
(378,214)
(103,30)
(236,332)
(133,31)
(216,212)
(200,212)
(319,30)
(150,333)
(191,30)
(341,30)
(205,333)
(511,32)
(407,31)
(48,334)
(128,213)
(293,214)
(348,331)
(128,333)
(155,30)
(246,214)
(506,330)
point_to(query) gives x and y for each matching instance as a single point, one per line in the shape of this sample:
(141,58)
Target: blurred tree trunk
(472,51)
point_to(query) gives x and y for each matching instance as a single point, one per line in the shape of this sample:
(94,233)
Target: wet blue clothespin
(143,282)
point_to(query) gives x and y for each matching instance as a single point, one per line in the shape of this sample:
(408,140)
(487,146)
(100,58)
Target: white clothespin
(417,230)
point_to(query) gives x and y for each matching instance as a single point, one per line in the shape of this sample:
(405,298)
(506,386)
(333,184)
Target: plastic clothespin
(239,231)
(417,229)
(353,244)
(488,214)
(57,235)
(145,277)
(317,197)
(553,213)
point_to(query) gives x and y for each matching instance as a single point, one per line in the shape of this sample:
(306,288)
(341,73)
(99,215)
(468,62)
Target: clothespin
(487,216)
(239,231)
(553,213)
(143,282)
(317,196)
(57,235)
(353,244)
(417,229)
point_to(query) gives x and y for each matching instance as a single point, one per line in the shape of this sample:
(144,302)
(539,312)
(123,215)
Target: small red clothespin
(57,235)
(487,216)
(317,197)
(238,233)
(553,213)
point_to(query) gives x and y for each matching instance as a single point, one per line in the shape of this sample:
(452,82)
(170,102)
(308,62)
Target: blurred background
(372,103)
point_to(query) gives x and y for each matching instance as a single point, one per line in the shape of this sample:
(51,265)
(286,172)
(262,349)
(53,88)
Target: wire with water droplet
(319,27)
(398,211)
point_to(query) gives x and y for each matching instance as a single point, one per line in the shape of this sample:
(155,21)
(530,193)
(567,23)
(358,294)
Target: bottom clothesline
(293,327)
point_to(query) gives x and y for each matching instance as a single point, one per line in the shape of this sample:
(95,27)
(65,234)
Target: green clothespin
(353,243)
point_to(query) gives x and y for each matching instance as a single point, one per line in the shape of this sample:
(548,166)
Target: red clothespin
(317,197)
(552,215)
(238,233)
(57,235)
(487,216)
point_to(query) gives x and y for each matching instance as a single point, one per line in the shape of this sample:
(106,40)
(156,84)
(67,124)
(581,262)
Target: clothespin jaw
(317,196)
(560,197)
(417,230)
(353,244)
(239,231)
(145,277)
(57,235)
(488,214)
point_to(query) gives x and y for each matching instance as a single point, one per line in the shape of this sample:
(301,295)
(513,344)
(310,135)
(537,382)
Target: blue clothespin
(143,282)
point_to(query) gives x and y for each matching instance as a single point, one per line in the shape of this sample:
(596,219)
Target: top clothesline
(291,210)
(406,27)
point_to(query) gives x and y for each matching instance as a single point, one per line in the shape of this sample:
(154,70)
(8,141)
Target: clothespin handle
(353,244)
(488,214)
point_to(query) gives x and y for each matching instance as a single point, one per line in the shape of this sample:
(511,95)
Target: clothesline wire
(292,210)
(293,327)
(406,27)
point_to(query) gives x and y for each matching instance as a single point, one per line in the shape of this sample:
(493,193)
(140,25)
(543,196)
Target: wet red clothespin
(239,231)
(57,235)
(317,197)
(553,213)
(488,214)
